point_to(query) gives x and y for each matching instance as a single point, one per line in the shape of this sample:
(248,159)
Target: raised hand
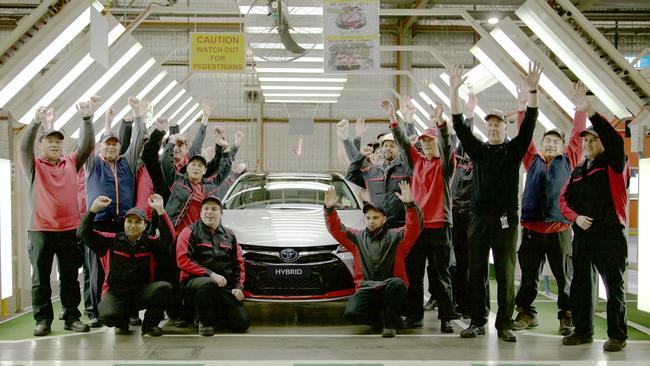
(84,110)
(138,106)
(534,73)
(49,118)
(407,108)
(360,127)
(218,135)
(470,106)
(456,76)
(40,115)
(206,107)
(436,114)
(342,129)
(100,203)
(128,117)
(161,124)
(580,98)
(108,119)
(388,108)
(239,138)
(330,197)
(405,196)
(156,202)
(94,103)
(366,151)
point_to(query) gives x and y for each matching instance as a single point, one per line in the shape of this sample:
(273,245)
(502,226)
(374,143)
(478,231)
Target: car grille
(326,273)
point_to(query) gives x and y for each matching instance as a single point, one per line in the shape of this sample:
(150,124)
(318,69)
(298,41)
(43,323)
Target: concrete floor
(312,332)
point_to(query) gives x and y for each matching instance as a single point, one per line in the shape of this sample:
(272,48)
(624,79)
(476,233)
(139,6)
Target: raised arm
(471,144)
(522,141)
(126,131)
(414,219)
(87,132)
(98,241)
(199,137)
(151,163)
(166,236)
(344,236)
(356,172)
(574,147)
(26,144)
(137,142)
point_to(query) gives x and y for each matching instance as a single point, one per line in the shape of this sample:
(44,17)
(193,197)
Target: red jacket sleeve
(343,235)
(574,148)
(238,264)
(413,227)
(184,262)
(564,206)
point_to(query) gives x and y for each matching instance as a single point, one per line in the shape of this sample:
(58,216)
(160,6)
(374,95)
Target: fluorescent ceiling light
(306,80)
(183,120)
(191,122)
(479,79)
(290,69)
(580,58)
(280,46)
(300,101)
(173,115)
(163,93)
(39,62)
(426,98)
(282,59)
(294,30)
(169,104)
(418,120)
(6,242)
(294,87)
(301,95)
(419,107)
(441,95)
(96,87)
(293,10)
(493,20)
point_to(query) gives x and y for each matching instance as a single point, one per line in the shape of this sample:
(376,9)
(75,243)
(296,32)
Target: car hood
(283,227)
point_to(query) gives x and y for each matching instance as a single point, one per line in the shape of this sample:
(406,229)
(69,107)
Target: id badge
(504,222)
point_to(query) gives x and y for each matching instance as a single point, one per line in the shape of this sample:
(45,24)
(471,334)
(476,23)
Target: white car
(288,253)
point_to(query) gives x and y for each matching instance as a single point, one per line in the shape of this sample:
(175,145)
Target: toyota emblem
(289,255)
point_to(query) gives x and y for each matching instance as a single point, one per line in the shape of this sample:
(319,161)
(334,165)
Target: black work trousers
(116,307)
(93,282)
(535,249)
(485,233)
(167,270)
(214,305)
(603,252)
(372,306)
(460,272)
(42,247)
(433,245)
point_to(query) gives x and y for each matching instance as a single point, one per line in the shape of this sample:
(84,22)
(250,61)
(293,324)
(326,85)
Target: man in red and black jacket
(379,253)
(595,200)
(212,271)
(128,259)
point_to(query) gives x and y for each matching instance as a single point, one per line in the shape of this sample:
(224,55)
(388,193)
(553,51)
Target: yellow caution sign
(217,52)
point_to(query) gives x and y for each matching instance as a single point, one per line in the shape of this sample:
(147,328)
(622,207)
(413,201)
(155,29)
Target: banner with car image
(351,31)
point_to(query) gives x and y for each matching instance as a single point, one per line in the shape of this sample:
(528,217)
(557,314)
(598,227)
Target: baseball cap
(211,199)
(386,137)
(555,131)
(497,113)
(49,132)
(109,135)
(430,132)
(370,206)
(137,212)
(589,130)
(200,157)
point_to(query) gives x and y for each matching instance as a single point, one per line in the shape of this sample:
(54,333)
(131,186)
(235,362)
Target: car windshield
(261,192)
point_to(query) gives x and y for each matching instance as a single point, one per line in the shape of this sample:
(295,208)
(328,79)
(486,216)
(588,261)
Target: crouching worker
(212,271)
(379,252)
(128,259)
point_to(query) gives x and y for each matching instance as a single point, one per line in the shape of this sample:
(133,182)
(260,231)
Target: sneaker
(122,330)
(614,345)
(411,324)
(507,335)
(388,333)
(525,320)
(94,322)
(206,331)
(77,326)
(41,330)
(566,326)
(135,320)
(574,339)
(153,331)
(472,331)
(446,326)
(431,304)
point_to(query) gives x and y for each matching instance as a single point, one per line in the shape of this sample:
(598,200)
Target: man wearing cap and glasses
(595,200)
(379,252)
(128,261)
(54,216)
(212,271)
(433,168)
(494,217)
(546,232)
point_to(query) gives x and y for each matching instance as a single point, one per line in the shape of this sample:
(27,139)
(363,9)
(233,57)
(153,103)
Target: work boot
(42,329)
(566,324)
(94,322)
(446,326)
(472,331)
(411,324)
(205,330)
(575,339)
(122,330)
(76,326)
(153,331)
(614,345)
(388,332)
(507,335)
(431,304)
(525,320)
(135,320)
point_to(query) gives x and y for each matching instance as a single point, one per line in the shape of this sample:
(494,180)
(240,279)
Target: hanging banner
(351,31)
(98,37)
(217,52)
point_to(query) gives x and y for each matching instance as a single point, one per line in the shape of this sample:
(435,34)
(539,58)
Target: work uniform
(53,219)
(379,266)
(200,251)
(129,284)
(598,189)
(494,218)
(546,232)
(431,189)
